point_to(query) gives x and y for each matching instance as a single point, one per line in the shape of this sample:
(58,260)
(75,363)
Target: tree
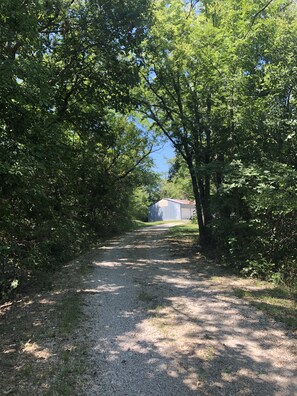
(177,84)
(178,184)
(219,82)
(67,143)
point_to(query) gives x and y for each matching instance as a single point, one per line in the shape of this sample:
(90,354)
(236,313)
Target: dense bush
(255,222)
(69,156)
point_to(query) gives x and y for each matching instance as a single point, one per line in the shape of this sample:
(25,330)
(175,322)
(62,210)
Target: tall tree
(67,67)
(204,86)
(176,77)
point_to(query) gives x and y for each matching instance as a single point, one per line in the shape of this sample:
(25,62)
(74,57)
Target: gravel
(156,325)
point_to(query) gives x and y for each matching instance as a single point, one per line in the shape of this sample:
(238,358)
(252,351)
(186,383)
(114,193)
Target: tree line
(77,80)
(219,80)
(70,154)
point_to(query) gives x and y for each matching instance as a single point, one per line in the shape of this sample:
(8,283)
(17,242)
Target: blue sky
(163,153)
(161,158)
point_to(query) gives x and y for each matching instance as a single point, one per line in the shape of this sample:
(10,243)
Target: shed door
(186,213)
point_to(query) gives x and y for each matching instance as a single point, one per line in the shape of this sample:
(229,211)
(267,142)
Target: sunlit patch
(91,291)
(140,246)
(58,293)
(109,288)
(47,301)
(110,246)
(5,308)
(37,351)
(113,356)
(178,282)
(37,322)
(144,261)
(206,353)
(173,373)
(27,303)
(192,381)
(10,350)
(106,264)
(228,377)
(127,342)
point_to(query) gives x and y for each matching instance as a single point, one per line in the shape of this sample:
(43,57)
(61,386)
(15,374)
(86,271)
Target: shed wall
(164,210)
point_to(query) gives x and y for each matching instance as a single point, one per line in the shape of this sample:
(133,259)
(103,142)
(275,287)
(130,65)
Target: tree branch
(120,177)
(256,16)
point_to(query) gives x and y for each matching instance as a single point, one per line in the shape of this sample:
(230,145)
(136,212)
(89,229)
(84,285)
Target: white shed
(171,209)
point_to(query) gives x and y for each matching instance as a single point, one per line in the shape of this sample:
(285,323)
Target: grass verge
(279,302)
(140,224)
(72,367)
(184,231)
(70,312)
(73,355)
(40,347)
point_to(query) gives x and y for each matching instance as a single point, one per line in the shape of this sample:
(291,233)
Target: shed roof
(181,201)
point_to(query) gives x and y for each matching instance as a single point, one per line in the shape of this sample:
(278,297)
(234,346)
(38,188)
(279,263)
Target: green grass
(72,361)
(184,231)
(156,311)
(26,371)
(72,366)
(70,312)
(278,302)
(201,376)
(139,224)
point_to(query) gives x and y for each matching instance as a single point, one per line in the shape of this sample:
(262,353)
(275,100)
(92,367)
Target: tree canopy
(218,79)
(219,82)
(67,140)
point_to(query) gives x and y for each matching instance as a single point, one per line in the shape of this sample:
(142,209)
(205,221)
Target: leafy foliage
(219,80)
(67,143)
(178,185)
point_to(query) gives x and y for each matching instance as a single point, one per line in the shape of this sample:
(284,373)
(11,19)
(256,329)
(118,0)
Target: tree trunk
(203,232)
(205,201)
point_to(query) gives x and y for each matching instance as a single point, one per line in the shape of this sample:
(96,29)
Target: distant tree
(178,184)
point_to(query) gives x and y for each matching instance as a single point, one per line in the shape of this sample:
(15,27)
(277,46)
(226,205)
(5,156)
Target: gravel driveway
(156,326)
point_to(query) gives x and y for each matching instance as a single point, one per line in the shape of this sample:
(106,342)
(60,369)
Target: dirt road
(158,326)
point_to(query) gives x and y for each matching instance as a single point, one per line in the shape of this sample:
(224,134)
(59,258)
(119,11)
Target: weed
(157,311)
(200,377)
(157,321)
(278,302)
